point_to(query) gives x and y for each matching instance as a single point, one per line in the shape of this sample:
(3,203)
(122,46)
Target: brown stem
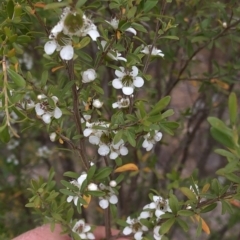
(107,223)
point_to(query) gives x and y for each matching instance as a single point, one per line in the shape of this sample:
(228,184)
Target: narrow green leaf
(182,224)
(18,79)
(4,134)
(173,203)
(130,137)
(117,137)
(188,193)
(209,208)
(185,213)
(160,105)
(71,174)
(232,106)
(102,173)
(165,227)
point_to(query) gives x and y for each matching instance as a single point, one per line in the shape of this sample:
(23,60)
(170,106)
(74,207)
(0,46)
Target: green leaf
(233,177)
(139,27)
(225,153)
(165,227)
(84,42)
(91,171)
(232,106)
(173,203)
(118,137)
(18,79)
(167,113)
(185,213)
(102,173)
(4,134)
(170,37)
(182,224)
(55,5)
(71,174)
(44,78)
(80,3)
(148,5)
(160,105)
(188,193)
(209,208)
(131,12)
(130,137)
(226,207)
(10,8)
(222,138)
(67,192)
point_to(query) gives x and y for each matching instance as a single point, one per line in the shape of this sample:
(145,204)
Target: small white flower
(150,141)
(115,22)
(156,234)
(85,118)
(121,103)
(89,75)
(113,54)
(113,183)
(155,51)
(78,183)
(44,111)
(118,149)
(53,136)
(92,187)
(83,230)
(110,196)
(97,103)
(136,227)
(127,80)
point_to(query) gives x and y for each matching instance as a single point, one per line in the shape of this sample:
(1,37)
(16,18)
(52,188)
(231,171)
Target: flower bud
(97,103)
(113,183)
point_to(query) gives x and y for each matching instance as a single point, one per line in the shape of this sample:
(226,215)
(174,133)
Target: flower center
(79,229)
(63,39)
(73,22)
(127,80)
(105,138)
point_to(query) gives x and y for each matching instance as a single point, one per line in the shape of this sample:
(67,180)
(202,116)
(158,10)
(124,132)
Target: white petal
(152,205)
(132,30)
(127,230)
(117,83)
(158,136)
(138,82)
(75,200)
(53,136)
(144,215)
(39,111)
(115,105)
(83,235)
(90,236)
(121,59)
(92,187)
(123,151)
(94,140)
(57,113)
(157,198)
(145,143)
(134,71)
(70,198)
(86,228)
(149,147)
(89,75)
(113,183)
(58,28)
(50,47)
(87,132)
(103,43)
(67,52)
(113,199)
(103,203)
(55,99)
(97,103)
(82,178)
(113,155)
(46,118)
(94,34)
(127,90)
(158,213)
(103,150)
(138,235)
(121,73)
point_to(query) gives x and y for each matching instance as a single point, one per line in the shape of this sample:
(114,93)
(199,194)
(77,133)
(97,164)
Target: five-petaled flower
(110,196)
(154,52)
(135,227)
(127,80)
(150,140)
(83,230)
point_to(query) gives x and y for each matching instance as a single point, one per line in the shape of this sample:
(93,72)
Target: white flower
(97,103)
(115,22)
(83,230)
(44,111)
(121,103)
(127,81)
(75,24)
(78,183)
(92,187)
(159,205)
(59,42)
(134,226)
(113,183)
(89,75)
(155,51)
(113,54)
(149,141)
(53,136)
(110,196)
(118,149)
(156,234)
